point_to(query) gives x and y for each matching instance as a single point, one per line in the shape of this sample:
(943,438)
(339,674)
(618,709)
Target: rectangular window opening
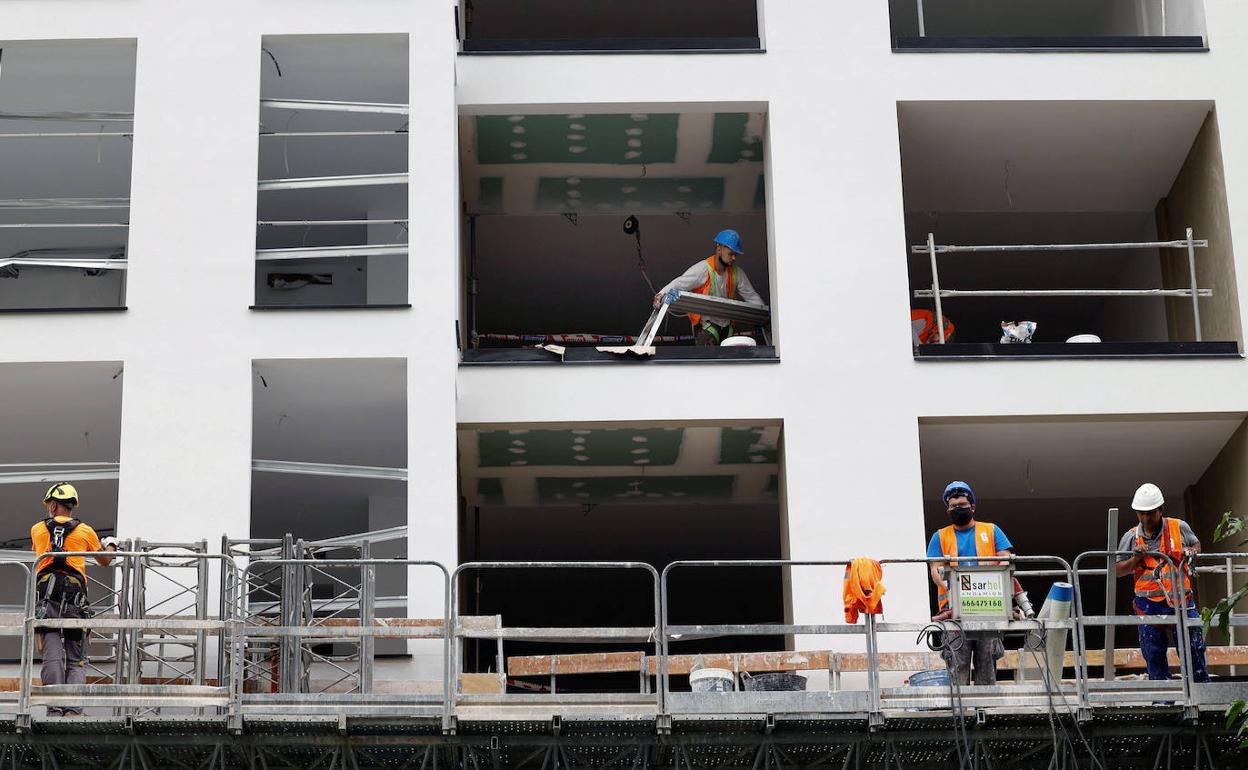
(546,26)
(62,424)
(1073,216)
(1048,25)
(639,492)
(329,472)
(576,221)
(1071,471)
(332,203)
(66,142)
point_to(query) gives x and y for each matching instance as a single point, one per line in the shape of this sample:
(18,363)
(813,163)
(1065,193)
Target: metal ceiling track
(81,264)
(53,472)
(333,252)
(71,117)
(320,105)
(330,469)
(327,222)
(71,135)
(323,182)
(77,204)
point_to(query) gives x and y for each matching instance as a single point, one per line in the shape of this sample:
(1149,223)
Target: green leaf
(1235,714)
(1230,525)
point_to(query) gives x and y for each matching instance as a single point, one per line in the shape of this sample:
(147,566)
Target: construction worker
(1155,579)
(715,276)
(61,587)
(978,651)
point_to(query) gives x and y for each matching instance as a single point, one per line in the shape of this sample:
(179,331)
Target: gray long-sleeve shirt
(695,276)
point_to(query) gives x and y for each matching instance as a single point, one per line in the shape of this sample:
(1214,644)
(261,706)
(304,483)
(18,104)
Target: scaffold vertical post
(940,311)
(875,718)
(25,670)
(201,613)
(1111,591)
(922,19)
(288,665)
(368,642)
(1191,268)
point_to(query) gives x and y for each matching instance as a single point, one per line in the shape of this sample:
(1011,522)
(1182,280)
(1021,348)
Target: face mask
(961,515)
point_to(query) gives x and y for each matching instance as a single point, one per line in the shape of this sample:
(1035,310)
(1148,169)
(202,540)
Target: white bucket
(710,680)
(1084,338)
(739,341)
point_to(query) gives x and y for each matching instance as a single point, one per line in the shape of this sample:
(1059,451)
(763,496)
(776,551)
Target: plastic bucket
(739,342)
(774,682)
(937,677)
(710,680)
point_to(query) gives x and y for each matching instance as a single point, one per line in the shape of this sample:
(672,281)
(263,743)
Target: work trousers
(1155,640)
(64,658)
(978,652)
(707,333)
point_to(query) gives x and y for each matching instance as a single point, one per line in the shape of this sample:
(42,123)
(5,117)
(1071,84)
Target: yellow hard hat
(62,493)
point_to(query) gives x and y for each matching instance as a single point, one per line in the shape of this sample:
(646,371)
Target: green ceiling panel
(490,491)
(744,446)
(613,139)
(620,447)
(589,195)
(633,490)
(490,197)
(729,144)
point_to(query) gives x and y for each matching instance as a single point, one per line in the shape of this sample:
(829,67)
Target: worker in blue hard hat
(716,276)
(968,655)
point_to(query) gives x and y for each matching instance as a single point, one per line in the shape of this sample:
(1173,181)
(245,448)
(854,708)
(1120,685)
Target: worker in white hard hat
(1161,584)
(61,587)
(716,276)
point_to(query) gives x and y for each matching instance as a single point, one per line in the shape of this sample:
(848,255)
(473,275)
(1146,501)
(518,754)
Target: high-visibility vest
(985,545)
(705,288)
(1154,577)
(923,324)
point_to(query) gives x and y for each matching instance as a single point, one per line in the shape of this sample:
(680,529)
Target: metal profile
(63,225)
(84,204)
(81,264)
(84,472)
(928,293)
(71,117)
(330,469)
(71,135)
(321,105)
(323,182)
(333,252)
(297,134)
(327,222)
(733,310)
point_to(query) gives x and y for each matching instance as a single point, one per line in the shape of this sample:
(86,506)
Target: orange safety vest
(924,323)
(705,288)
(864,588)
(985,545)
(1154,578)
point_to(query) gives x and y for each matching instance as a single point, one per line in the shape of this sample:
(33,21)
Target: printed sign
(981,595)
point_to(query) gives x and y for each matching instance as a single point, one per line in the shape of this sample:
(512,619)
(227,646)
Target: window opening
(66,140)
(1029,25)
(333,171)
(1063,240)
(580,226)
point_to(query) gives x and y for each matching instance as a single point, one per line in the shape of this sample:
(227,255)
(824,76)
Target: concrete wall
(1198,200)
(1222,488)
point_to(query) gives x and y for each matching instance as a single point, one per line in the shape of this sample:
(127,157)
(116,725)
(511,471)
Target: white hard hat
(1147,498)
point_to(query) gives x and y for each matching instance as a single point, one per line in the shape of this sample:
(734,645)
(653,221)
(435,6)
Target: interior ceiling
(594,465)
(1071,457)
(643,162)
(345,411)
(60,412)
(1044,156)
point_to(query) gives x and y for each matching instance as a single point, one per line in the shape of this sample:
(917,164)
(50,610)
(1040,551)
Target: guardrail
(146,681)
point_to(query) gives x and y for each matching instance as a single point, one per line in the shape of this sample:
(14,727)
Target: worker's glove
(110,542)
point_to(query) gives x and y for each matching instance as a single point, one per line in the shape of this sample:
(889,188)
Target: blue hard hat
(731,239)
(958,488)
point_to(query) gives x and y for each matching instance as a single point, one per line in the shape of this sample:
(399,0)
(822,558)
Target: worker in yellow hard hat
(61,587)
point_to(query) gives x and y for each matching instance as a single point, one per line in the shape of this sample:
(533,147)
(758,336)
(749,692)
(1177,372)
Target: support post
(368,594)
(923,19)
(1191,267)
(875,718)
(940,311)
(1111,591)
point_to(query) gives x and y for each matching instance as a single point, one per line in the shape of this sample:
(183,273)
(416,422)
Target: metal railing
(145,677)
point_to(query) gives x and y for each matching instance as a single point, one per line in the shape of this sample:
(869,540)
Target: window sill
(587,355)
(1117,44)
(329,307)
(631,45)
(106,309)
(1048,351)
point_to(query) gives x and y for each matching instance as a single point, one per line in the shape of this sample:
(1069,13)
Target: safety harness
(60,585)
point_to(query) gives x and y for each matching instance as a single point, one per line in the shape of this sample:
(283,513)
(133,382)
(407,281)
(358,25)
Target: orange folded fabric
(864,588)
